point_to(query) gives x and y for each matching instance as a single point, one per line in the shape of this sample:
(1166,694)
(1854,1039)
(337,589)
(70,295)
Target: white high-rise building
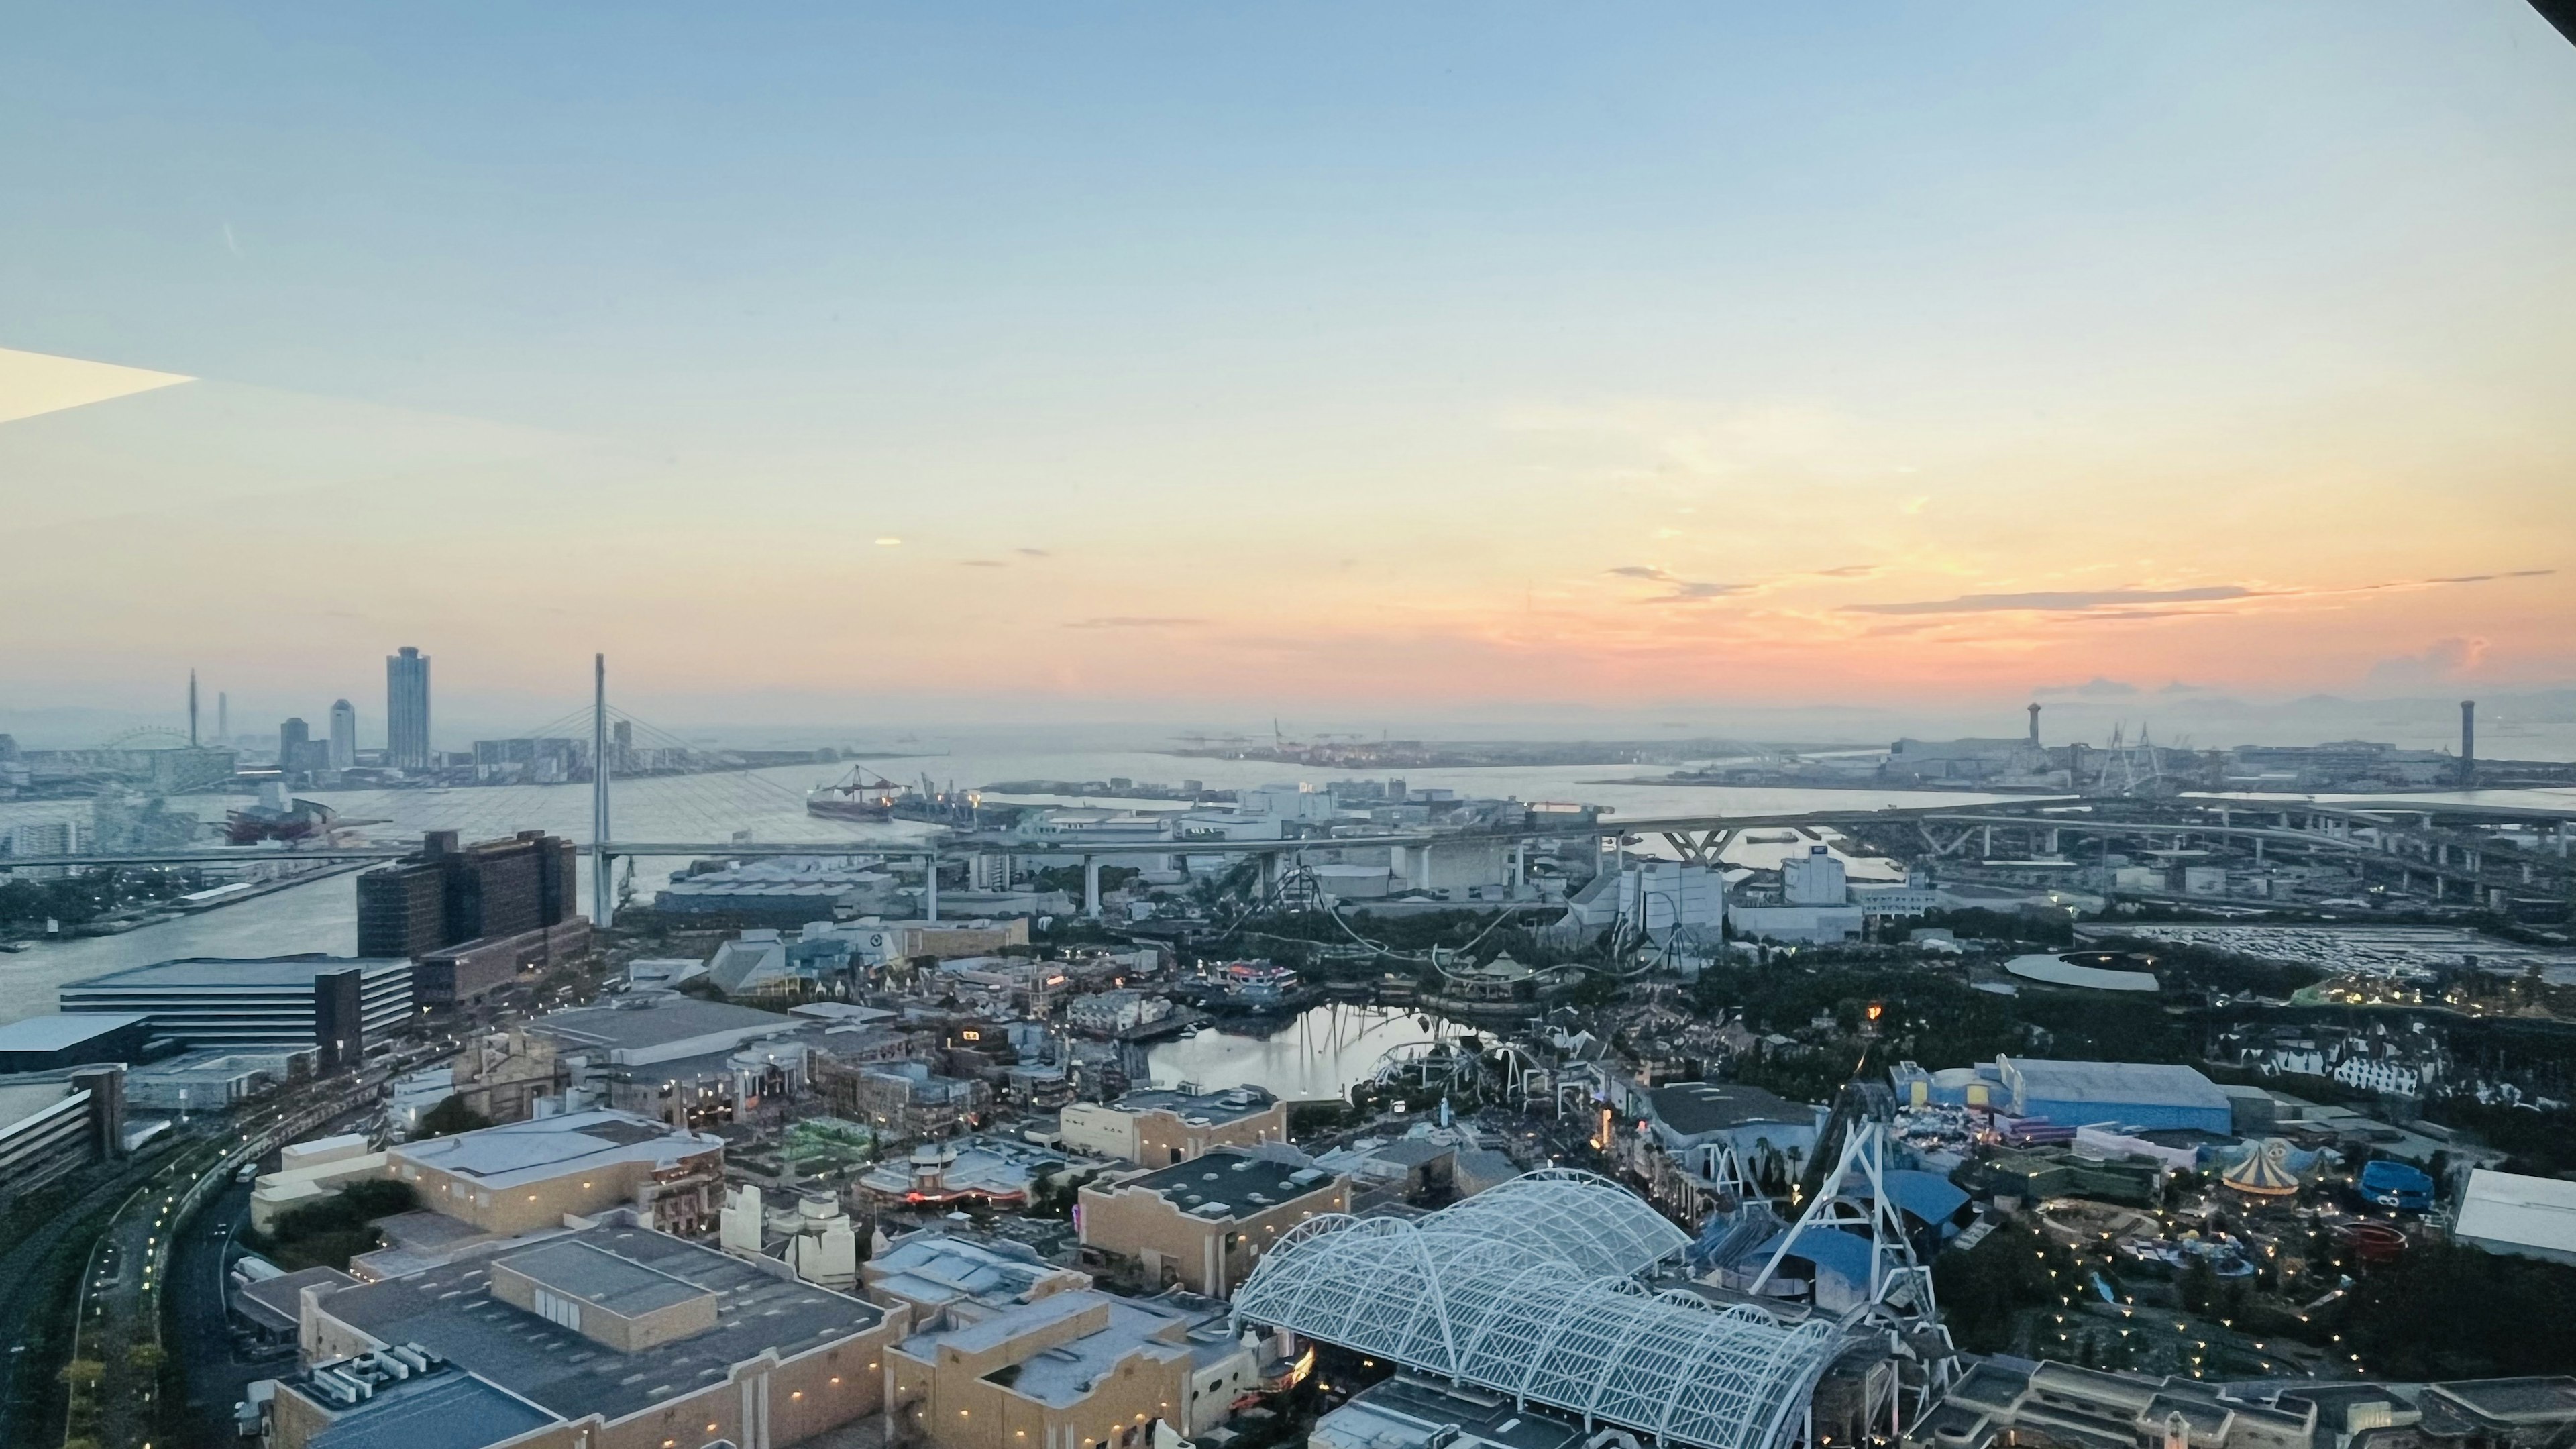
(344,734)
(1817,880)
(407,709)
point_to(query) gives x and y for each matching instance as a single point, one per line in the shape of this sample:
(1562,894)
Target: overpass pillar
(1091,886)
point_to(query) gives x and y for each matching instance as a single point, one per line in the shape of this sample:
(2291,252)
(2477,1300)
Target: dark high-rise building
(292,737)
(407,709)
(344,734)
(449,893)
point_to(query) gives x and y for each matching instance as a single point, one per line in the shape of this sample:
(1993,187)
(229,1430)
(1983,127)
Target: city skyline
(1897,359)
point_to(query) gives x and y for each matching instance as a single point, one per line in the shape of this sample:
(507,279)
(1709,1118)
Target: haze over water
(768,805)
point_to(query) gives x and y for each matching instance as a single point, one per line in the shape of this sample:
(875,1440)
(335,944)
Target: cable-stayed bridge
(718,812)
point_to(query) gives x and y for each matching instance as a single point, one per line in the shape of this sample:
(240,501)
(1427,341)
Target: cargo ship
(861,794)
(865,795)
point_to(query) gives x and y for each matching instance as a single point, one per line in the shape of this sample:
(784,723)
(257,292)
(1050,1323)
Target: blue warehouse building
(2134,1096)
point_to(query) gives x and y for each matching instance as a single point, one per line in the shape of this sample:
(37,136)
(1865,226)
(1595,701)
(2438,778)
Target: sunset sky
(1242,357)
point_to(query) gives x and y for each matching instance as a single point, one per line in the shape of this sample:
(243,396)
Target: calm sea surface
(768,806)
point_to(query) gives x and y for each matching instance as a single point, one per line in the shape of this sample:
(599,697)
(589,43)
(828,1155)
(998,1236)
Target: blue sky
(1411,316)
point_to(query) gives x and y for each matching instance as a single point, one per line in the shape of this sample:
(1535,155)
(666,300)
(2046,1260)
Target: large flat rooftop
(57,1033)
(935,1268)
(1230,1184)
(1405,1412)
(1691,1108)
(1065,1374)
(2519,1210)
(1231,1105)
(451,1311)
(444,1410)
(584,1271)
(2159,1083)
(660,1021)
(22,1098)
(548,1147)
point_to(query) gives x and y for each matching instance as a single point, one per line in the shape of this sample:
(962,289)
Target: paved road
(121,1295)
(203,1338)
(134,1240)
(18,1304)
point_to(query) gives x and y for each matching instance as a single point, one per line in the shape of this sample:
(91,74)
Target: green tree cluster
(330,1232)
(1068,878)
(2442,1311)
(1939,1020)
(1984,1289)
(450,1117)
(25,905)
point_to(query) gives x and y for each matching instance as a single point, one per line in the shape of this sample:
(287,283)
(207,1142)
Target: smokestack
(192,709)
(2034,723)
(2468,741)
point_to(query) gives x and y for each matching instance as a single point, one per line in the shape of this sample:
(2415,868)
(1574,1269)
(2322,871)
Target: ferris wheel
(147,737)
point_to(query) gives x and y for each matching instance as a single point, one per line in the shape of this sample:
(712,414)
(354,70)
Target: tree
(2442,1311)
(2199,1286)
(1982,1290)
(451,1117)
(83,1373)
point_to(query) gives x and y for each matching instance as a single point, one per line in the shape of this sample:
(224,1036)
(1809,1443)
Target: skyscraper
(407,709)
(344,734)
(292,737)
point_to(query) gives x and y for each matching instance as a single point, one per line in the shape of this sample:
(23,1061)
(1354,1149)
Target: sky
(986,362)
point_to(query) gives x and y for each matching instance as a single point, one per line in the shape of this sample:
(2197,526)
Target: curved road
(19,1263)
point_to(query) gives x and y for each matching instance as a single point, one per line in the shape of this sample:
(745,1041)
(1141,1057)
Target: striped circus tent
(2264,1172)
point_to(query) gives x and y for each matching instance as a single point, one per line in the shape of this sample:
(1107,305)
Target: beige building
(1204,1223)
(945,1281)
(523,1176)
(504,1074)
(1073,1370)
(614,1337)
(309,1173)
(1160,1127)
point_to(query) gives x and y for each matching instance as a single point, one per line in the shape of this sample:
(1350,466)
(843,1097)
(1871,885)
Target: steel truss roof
(1531,1290)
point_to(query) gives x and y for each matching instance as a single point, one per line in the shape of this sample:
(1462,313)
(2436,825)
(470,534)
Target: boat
(297,820)
(863,794)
